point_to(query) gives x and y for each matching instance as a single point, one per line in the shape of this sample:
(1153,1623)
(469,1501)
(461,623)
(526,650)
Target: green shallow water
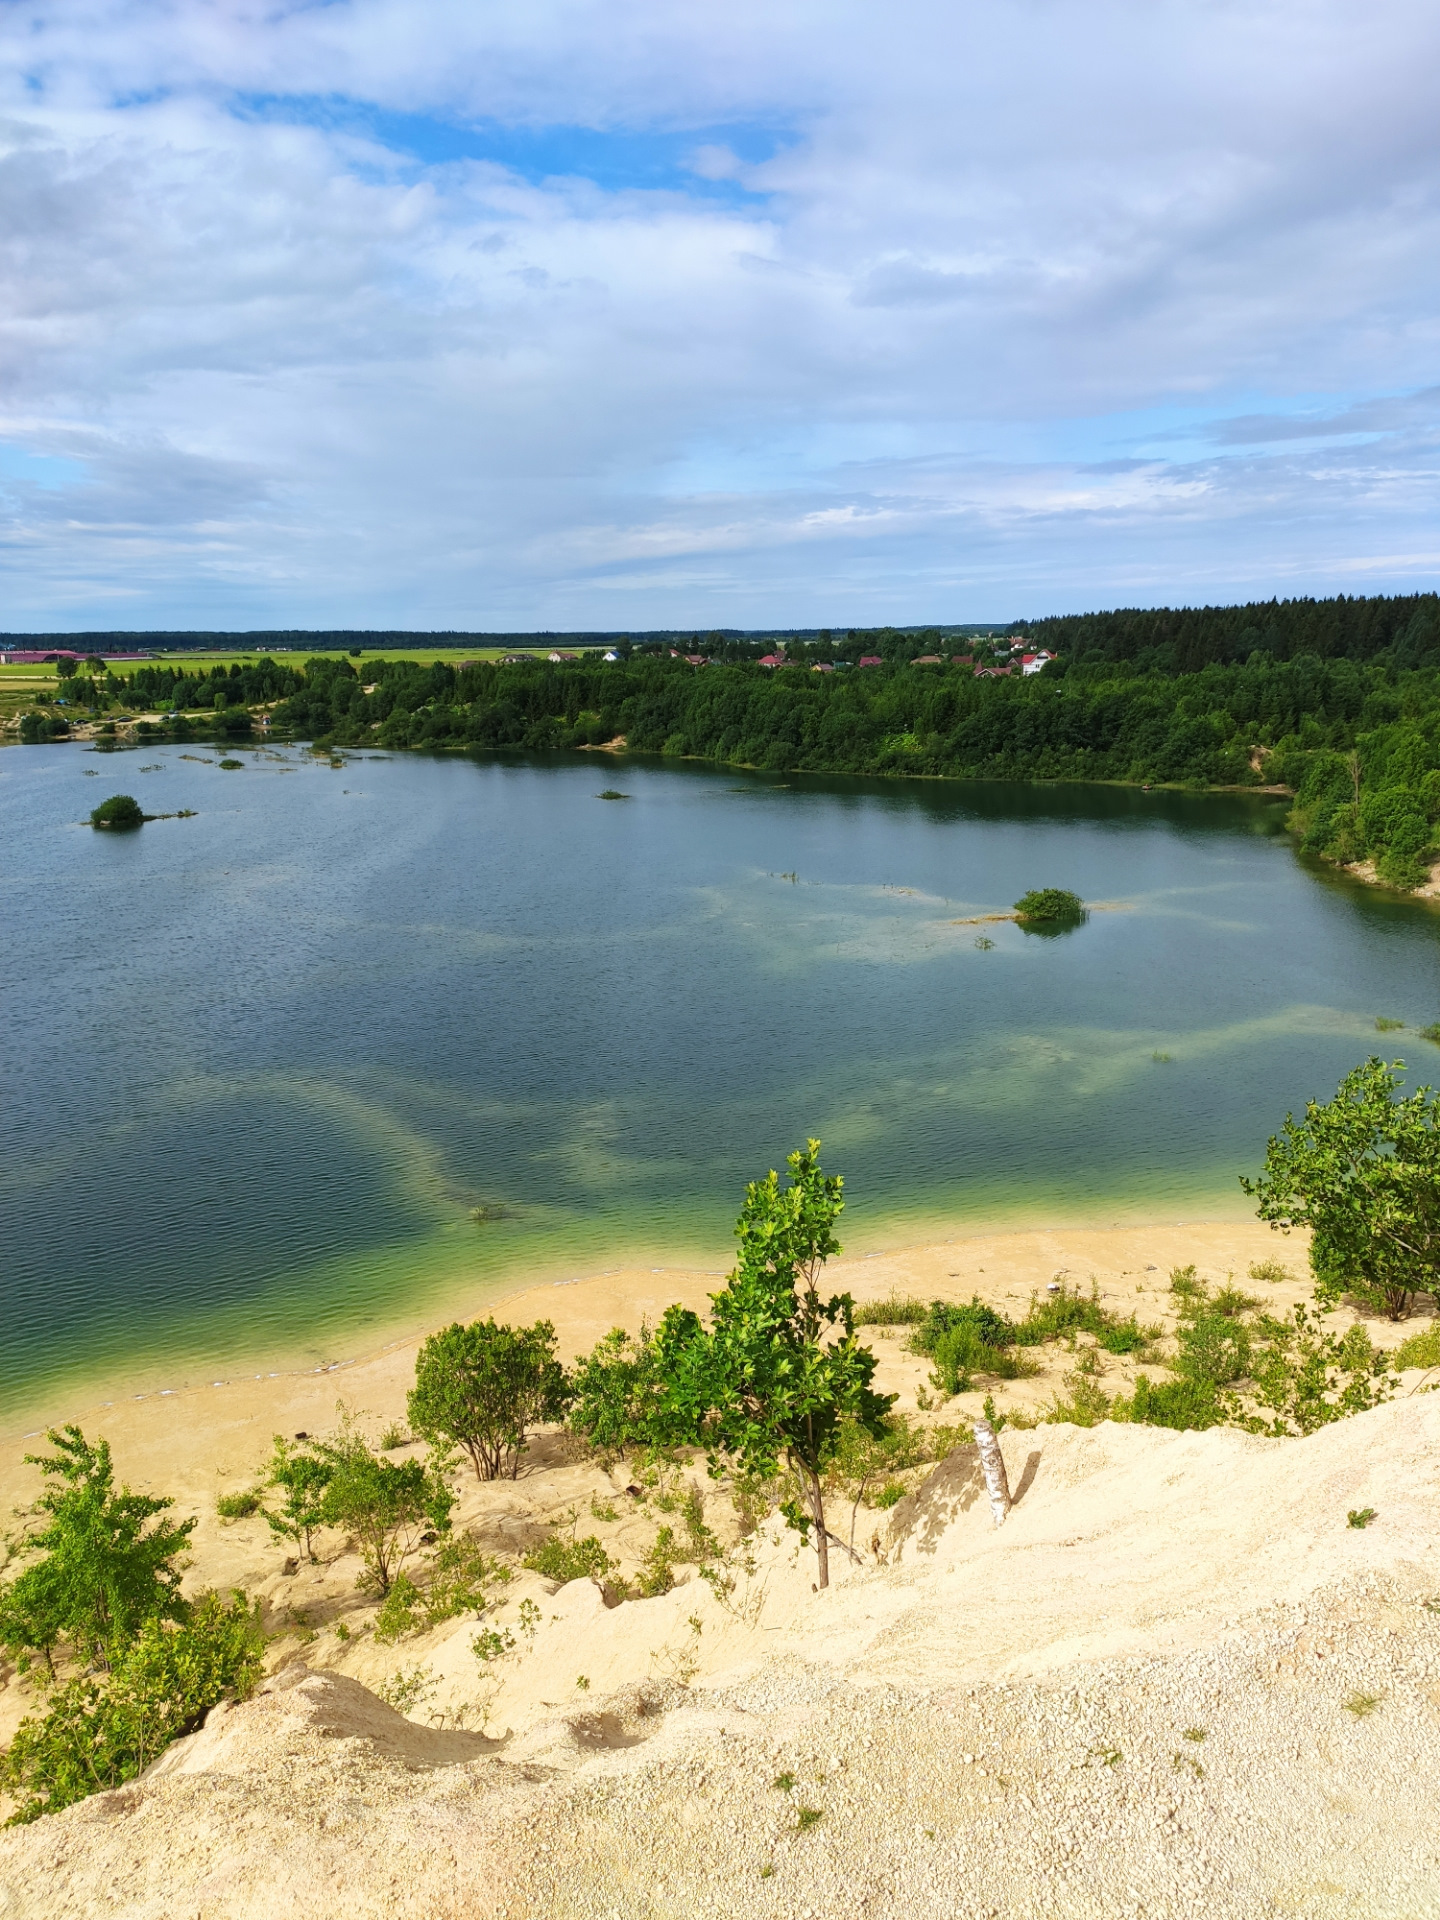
(261,1064)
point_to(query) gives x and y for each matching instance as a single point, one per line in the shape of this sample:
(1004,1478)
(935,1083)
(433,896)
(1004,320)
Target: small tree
(389,1507)
(778,1369)
(482,1387)
(1362,1171)
(102,1568)
(303,1477)
(120,810)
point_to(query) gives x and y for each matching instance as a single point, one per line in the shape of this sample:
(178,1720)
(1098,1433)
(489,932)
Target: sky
(516,314)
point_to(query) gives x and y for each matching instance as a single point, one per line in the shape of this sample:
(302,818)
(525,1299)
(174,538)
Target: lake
(262,1065)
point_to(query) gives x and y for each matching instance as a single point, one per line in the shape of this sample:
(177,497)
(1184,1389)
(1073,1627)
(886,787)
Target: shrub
(1214,1351)
(1420,1350)
(119,811)
(657,1570)
(1050,903)
(454,1581)
(990,1328)
(615,1387)
(1306,1377)
(1271,1271)
(566,1560)
(483,1386)
(238,1506)
(1186,1405)
(99,1733)
(893,1312)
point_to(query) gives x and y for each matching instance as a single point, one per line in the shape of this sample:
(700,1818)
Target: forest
(1335,701)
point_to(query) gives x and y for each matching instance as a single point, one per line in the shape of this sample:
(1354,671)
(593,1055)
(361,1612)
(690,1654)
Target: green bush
(1186,1405)
(893,1312)
(614,1390)
(992,1329)
(1050,904)
(99,1732)
(238,1506)
(455,1580)
(566,1560)
(1420,1350)
(119,811)
(482,1387)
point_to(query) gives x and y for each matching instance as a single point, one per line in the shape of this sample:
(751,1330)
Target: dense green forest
(1336,700)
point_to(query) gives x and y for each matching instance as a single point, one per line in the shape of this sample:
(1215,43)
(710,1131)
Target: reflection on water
(263,1065)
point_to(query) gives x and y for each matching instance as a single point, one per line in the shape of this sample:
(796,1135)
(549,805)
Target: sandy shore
(201,1440)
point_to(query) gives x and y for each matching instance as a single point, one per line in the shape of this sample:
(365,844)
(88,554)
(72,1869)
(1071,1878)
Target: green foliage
(386,1505)
(1214,1350)
(1362,1705)
(779,1368)
(407,1689)
(1050,903)
(1362,1171)
(1359,1517)
(990,1329)
(1087,1402)
(1066,1312)
(239,1506)
(1431,1033)
(565,1560)
(483,1387)
(1382,1025)
(492,1643)
(807,1817)
(99,1732)
(1305,1377)
(1187,1405)
(456,1579)
(119,811)
(394,1437)
(1420,1350)
(302,1475)
(617,1387)
(98,1566)
(657,1569)
(893,1312)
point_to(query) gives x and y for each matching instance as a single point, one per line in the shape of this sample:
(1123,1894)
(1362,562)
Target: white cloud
(1031,305)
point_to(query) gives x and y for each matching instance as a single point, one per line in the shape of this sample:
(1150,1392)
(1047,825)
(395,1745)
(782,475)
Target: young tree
(102,1568)
(778,1369)
(303,1476)
(1362,1171)
(387,1505)
(482,1387)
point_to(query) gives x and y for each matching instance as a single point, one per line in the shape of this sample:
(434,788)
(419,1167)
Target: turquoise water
(260,1065)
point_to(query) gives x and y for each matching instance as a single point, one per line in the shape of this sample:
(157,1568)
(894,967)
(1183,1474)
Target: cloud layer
(556,314)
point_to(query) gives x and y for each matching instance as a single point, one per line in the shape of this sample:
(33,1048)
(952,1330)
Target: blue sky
(424,313)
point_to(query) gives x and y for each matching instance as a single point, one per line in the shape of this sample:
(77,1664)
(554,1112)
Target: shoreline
(197,1440)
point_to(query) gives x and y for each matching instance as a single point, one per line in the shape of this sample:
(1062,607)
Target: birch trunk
(992,1463)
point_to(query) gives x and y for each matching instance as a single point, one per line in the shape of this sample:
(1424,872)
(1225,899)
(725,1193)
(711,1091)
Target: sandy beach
(195,1442)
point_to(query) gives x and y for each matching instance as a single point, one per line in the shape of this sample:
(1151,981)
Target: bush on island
(1050,904)
(120,810)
